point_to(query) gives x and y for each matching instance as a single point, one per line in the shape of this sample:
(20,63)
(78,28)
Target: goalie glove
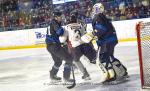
(87,37)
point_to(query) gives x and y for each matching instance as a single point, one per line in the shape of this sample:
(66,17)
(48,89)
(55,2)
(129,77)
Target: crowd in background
(26,14)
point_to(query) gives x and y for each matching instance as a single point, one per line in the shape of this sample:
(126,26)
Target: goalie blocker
(89,37)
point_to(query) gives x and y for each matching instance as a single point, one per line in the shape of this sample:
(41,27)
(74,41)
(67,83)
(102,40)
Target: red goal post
(143,41)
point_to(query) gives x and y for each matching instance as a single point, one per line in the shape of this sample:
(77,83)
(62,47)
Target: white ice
(28,70)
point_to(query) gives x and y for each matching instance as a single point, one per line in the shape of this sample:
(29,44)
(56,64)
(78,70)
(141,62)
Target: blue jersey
(53,32)
(104,30)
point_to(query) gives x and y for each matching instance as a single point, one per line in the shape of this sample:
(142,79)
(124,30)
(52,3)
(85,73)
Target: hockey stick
(72,69)
(97,56)
(74,82)
(99,64)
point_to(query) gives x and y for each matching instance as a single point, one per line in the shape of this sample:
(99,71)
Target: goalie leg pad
(104,73)
(105,61)
(111,73)
(108,73)
(120,69)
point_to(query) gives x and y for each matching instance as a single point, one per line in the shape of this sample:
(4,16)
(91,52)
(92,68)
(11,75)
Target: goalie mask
(97,8)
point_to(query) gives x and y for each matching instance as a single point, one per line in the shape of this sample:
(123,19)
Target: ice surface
(28,70)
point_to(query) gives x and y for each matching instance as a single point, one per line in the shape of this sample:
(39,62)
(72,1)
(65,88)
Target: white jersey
(75,31)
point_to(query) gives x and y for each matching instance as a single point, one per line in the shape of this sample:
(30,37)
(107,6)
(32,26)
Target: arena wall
(32,38)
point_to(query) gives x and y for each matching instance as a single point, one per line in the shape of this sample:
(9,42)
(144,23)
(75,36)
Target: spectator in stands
(117,14)
(21,22)
(39,11)
(142,12)
(89,10)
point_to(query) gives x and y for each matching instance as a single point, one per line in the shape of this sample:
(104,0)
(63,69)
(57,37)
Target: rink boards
(31,38)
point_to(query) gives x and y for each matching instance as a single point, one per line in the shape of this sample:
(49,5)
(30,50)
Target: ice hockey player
(78,48)
(107,40)
(57,51)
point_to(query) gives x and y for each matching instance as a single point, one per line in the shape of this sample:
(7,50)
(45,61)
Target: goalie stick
(98,63)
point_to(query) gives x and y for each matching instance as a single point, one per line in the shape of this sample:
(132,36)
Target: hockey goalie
(106,39)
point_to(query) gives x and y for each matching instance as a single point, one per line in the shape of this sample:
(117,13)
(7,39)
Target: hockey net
(143,39)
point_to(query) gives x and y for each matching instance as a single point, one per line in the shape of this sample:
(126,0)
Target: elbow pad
(63,38)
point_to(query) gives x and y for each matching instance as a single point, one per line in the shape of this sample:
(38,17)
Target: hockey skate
(55,79)
(86,76)
(120,70)
(126,75)
(66,75)
(53,76)
(116,80)
(111,76)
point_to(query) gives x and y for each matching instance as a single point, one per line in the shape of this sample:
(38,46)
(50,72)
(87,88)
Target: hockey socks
(66,74)
(80,66)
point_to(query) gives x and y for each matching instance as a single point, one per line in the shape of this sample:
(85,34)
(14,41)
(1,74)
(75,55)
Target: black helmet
(57,13)
(74,13)
(73,18)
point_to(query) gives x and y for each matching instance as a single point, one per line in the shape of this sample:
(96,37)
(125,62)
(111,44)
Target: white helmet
(97,8)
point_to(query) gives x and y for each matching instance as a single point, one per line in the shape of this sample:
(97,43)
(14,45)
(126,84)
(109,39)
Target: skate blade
(127,76)
(67,83)
(123,78)
(55,81)
(115,82)
(87,78)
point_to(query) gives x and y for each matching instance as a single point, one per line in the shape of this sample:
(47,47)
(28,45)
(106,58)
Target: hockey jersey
(75,31)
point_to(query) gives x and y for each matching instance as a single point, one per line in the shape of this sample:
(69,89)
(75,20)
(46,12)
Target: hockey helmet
(73,17)
(97,8)
(57,13)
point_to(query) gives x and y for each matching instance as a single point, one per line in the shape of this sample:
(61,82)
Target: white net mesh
(145,49)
